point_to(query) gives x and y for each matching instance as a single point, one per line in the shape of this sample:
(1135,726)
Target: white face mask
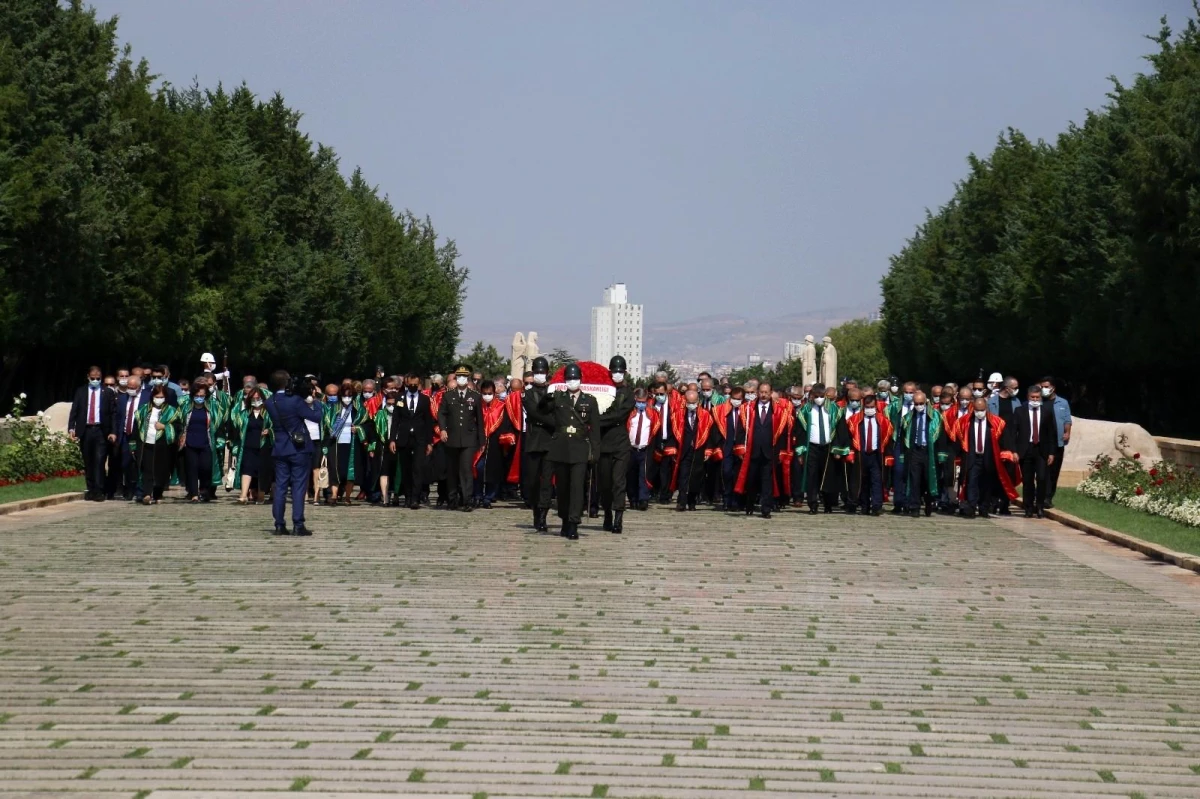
(1035,403)
(797,402)
(919,408)
(368,394)
(572,385)
(978,392)
(122,381)
(488,397)
(737,403)
(539,379)
(256,403)
(347,400)
(1047,391)
(308,400)
(133,392)
(460,381)
(818,401)
(159,401)
(618,377)
(706,393)
(691,406)
(868,412)
(980,414)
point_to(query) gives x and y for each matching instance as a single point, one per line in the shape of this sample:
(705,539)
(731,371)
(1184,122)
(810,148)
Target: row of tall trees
(154,223)
(1079,258)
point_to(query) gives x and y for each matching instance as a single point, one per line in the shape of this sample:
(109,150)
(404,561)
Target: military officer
(536,470)
(575,444)
(613,463)
(460,417)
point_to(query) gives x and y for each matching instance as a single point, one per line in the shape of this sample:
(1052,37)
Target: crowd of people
(473,441)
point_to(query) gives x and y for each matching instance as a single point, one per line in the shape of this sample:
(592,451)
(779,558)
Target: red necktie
(1035,426)
(637,436)
(129,416)
(92,417)
(979,438)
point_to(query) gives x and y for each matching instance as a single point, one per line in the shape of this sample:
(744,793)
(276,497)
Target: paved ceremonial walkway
(183,651)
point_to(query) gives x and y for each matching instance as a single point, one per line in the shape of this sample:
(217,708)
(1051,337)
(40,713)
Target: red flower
(1158,482)
(1138,491)
(1137,456)
(1154,472)
(1170,477)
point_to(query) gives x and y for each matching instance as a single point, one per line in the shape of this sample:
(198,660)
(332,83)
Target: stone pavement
(183,651)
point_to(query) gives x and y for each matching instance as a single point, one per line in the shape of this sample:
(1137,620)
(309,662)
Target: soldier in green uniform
(460,417)
(536,470)
(575,444)
(613,464)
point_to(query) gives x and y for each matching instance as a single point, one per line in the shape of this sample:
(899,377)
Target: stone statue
(531,349)
(829,372)
(517,365)
(808,360)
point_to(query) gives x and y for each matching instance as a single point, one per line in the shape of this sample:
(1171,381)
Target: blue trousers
(730,466)
(291,471)
(635,483)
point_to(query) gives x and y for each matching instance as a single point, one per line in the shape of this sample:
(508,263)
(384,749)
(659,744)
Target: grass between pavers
(52,485)
(1146,526)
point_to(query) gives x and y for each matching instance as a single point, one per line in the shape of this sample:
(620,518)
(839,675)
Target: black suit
(412,432)
(124,426)
(763,454)
(1033,455)
(91,421)
(979,466)
(613,464)
(536,470)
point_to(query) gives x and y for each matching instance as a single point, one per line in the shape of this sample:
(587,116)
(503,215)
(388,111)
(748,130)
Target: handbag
(230,476)
(299,439)
(323,474)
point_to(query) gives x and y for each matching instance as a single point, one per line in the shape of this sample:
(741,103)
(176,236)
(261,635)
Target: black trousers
(570,481)
(917,472)
(1052,473)
(614,471)
(592,487)
(94,448)
(730,466)
(636,480)
(461,482)
(689,462)
(760,475)
(1033,480)
(414,467)
(536,471)
(870,493)
(197,470)
(662,480)
(981,484)
(946,473)
(154,466)
(816,460)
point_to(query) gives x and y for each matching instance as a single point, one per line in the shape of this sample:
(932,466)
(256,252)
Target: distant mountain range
(720,338)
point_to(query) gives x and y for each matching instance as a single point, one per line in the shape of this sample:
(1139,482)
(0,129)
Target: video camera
(301,385)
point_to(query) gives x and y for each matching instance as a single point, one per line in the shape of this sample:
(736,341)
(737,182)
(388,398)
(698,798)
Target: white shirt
(151,432)
(345,418)
(666,426)
(642,441)
(818,425)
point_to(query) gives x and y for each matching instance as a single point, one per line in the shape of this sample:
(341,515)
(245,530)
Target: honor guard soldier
(536,470)
(613,463)
(575,444)
(460,417)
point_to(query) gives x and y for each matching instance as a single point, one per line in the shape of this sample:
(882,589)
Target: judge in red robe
(643,426)
(693,430)
(984,457)
(870,431)
(766,423)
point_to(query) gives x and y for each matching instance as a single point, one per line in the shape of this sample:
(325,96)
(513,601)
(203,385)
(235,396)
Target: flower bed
(1163,489)
(34,453)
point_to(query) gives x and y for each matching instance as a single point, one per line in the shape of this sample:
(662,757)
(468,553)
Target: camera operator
(290,407)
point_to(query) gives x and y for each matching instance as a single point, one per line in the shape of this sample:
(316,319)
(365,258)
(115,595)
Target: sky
(754,158)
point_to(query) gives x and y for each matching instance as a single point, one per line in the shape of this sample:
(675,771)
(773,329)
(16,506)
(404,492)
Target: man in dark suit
(536,470)
(980,437)
(412,439)
(461,418)
(289,409)
(91,424)
(576,443)
(763,452)
(128,402)
(1035,440)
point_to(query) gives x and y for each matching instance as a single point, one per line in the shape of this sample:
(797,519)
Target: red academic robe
(493,414)
(720,416)
(704,425)
(781,418)
(516,413)
(854,423)
(999,454)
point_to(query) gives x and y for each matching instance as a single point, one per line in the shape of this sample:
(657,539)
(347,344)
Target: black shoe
(1040,514)
(644,505)
(812,511)
(608,521)
(984,514)
(749,510)
(301,530)
(691,506)
(280,530)
(593,514)
(487,505)
(572,532)
(914,514)
(877,512)
(766,514)
(618,521)
(928,511)
(680,508)
(1048,505)
(829,509)
(1005,512)
(540,524)
(1028,513)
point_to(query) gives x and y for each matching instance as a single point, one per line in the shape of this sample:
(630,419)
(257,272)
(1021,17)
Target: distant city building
(791,349)
(617,329)
(753,359)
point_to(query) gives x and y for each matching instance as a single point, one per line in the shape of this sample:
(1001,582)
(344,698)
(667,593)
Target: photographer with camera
(289,408)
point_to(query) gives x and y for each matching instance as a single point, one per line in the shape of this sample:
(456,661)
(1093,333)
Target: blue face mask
(199,400)
(908,398)
(854,404)
(641,406)
(661,399)
(94,383)
(332,400)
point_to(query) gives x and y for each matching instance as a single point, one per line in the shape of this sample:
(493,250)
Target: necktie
(129,403)
(979,437)
(920,429)
(1035,425)
(93,397)
(637,436)
(692,419)
(870,436)
(733,415)
(412,402)
(821,424)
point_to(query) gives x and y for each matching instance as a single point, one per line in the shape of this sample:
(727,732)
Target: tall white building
(791,349)
(617,329)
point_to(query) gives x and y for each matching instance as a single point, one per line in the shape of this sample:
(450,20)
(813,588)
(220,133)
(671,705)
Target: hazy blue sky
(748,157)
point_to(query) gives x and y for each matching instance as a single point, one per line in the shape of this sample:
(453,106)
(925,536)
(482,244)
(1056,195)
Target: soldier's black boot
(537,519)
(608,520)
(572,533)
(543,524)
(618,521)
